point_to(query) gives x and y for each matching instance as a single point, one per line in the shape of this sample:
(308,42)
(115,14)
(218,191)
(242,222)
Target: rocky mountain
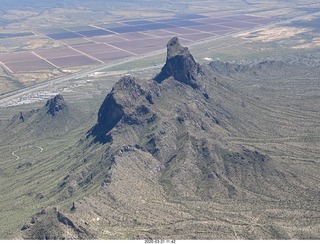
(55,118)
(56,105)
(180,65)
(163,161)
(177,121)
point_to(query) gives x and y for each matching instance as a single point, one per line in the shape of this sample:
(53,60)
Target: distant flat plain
(53,41)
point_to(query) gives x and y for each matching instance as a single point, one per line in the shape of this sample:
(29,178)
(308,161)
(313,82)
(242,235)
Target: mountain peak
(180,65)
(174,48)
(55,104)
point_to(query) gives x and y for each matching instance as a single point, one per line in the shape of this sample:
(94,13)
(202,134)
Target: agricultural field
(34,45)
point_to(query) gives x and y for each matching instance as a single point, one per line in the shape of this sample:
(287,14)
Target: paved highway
(18,93)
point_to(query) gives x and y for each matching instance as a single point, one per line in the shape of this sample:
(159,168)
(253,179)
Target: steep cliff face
(126,104)
(110,113)
(180,64)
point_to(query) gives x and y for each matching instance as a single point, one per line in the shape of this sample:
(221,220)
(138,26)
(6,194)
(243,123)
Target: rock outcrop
(54,118)
(126,103)
(56,104)
(110,113)
(180,64)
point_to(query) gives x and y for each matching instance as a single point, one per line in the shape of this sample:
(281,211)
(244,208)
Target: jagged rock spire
(180,64)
